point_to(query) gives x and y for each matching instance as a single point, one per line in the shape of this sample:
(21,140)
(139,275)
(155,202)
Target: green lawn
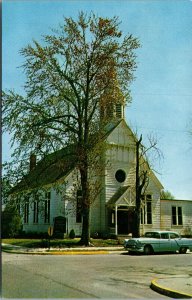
(42,243)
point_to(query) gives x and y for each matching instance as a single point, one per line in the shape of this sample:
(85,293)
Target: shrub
(95,235)
(187,232)
(10,222)
(105,236)
(72,234)
(44,243)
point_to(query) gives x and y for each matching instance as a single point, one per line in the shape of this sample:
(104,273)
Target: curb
(168,292)
(62,251)
(68,252)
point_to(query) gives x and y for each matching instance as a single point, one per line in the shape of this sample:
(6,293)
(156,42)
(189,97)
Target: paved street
(88,276)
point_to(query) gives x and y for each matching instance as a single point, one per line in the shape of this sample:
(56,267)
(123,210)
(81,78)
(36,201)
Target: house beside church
(177,216)
(113,208)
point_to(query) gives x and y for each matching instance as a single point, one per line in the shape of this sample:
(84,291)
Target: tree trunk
(136,228)
(85,236)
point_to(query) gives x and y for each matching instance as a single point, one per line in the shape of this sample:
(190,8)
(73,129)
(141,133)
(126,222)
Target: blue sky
(162,91)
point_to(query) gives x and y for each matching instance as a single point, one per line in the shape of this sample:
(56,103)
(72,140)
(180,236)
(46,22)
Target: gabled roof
(124,196)
(119,193)
(109,127)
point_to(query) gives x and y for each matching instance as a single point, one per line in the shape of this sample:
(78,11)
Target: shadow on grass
(58,243)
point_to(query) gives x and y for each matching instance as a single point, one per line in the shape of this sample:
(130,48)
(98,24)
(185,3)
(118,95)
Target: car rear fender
(181,243)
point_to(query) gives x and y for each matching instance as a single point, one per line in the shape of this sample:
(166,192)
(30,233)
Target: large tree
(75,73)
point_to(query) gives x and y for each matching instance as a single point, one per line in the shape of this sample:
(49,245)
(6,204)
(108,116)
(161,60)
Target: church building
(112,210)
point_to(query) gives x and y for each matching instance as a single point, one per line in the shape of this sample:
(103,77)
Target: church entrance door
(124,221)
(130,221)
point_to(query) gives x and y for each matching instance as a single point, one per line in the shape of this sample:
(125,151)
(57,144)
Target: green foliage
(187,232)
(167,195)
(10,222)
(79,70)
(72,234)
(5,187)
(66,78)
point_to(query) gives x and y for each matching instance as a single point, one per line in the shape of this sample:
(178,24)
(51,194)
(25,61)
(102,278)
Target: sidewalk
(179,286)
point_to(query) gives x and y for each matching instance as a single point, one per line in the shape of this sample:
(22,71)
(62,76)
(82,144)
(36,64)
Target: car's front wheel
(182,250)
(148,250)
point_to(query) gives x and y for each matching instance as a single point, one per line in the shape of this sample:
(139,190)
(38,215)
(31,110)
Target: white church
(112,210)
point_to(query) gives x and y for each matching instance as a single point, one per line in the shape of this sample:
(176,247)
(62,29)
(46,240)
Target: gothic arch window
(47,207)
(26,211)
(146,209)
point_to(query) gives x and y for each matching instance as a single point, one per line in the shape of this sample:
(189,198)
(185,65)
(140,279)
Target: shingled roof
(54,166)
(50,169)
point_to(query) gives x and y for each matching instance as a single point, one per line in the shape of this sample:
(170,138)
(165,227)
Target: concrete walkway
(179,286)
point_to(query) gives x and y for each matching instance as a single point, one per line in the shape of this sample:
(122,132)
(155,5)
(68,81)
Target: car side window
(156,235)
(149,234)
(173,236)
(164,235)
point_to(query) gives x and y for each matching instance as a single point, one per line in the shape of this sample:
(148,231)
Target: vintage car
(158,241)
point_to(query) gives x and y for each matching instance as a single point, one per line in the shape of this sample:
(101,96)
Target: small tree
(70,80)
(10,221)
(5,188)
(165,194)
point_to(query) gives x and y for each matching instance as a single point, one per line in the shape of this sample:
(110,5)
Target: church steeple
(119,110)
(112,106)
(112,102)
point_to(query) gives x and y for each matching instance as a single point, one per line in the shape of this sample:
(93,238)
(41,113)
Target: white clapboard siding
(166,216)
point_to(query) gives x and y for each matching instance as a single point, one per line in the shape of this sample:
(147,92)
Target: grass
(61,243)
